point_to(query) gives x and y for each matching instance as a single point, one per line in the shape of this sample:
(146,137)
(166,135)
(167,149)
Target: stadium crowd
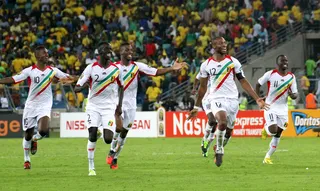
(159,31)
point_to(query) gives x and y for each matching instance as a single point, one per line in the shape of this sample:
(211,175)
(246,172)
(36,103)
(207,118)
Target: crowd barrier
(174,124)
(302,123)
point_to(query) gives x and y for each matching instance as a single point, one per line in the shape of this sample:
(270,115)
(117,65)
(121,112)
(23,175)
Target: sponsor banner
(74,125)
(247,124)
(161,117)
(11,126)
(303,123)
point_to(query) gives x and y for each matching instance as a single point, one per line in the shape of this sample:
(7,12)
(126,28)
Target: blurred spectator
(4,103)
(157,104)
(311,100)
(310,69)
(153,92)
(188,101)
(171,104)
(243,101)
(305,85)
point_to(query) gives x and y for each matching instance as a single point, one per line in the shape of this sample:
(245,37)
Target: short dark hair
(278,57)
(38,48)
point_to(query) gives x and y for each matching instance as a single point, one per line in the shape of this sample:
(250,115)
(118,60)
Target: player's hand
(67,80)
(118,110)
(193,92)
(262,104)
(178,65)
(193,114)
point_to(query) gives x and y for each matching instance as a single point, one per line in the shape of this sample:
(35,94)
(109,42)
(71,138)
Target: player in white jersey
(104,99)
(281,84)
(220,72)
(38,105)
(211,125)
(131,70)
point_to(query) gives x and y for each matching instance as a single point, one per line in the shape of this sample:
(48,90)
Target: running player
(211,125)
(130,70)
(38,105)
(104,99)
(221,70)
(281,84)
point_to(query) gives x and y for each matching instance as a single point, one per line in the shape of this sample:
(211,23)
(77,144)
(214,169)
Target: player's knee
(222,124)
(273,129)
(212,123)
(43,133)
(93,134)
(28,136)
(124,133)
(228,133)
(107,136)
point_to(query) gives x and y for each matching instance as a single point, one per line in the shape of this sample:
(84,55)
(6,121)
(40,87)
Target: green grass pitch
(162,164)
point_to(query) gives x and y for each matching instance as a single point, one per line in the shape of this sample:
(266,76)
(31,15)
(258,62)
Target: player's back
(221,77)
(104,84)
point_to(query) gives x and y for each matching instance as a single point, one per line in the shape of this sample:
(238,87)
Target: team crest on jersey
(112,79)
(42,74)
(129,125)
(219,66)
(104,73)
(125,70)
(132,74)
(285,124)
(282,80)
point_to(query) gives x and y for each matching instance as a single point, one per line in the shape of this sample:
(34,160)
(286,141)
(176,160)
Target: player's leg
(209,134)
(28,124)
(281,124)
(221,117)
(93,121)
(43,118)
(232,116)
(128,121)
(119,127)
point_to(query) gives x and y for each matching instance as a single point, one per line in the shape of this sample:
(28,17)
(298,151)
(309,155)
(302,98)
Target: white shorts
(206,105)
(231,106)
(128,118)
(32,116)
(101,118)
(272,119)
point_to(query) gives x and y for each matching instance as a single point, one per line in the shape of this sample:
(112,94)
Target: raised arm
(82,81)
(176,66)
(24,74)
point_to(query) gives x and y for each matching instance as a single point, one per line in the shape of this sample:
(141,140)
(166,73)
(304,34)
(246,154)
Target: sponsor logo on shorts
(129,125)
(110,123)
(304,122)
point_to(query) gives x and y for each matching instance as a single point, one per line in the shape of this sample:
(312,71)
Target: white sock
(273,146)
(26,148)
(91,147)
(37,137)
(114,141)
(206,132)
(226,141)
(269,133)
(120,145)
(220,138)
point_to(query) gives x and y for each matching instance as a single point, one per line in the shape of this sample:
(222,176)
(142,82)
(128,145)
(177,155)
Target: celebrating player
(104,99)
(37,109)
(281,84)
(211,125)
(130,70)
(221,69)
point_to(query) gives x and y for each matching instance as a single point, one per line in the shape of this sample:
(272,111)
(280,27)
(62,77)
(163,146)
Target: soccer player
(131,70)
(104,99)
(38,106)
(211,125)
(281,84)
(219,71)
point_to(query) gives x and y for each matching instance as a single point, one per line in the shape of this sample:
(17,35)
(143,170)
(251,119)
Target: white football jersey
(130,79)
(278,87)
(104,86)
(221,77)
(208,85)
(40,90)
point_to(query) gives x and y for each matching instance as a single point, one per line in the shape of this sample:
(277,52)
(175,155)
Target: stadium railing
(255,49)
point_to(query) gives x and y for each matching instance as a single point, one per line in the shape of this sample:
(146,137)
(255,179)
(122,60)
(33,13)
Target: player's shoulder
(291,74)
(232,59)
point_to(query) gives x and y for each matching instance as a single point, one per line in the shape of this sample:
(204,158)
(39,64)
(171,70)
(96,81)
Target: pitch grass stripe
(282,85)
(126,80)
(129,72)
(222,70)
(102,81)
